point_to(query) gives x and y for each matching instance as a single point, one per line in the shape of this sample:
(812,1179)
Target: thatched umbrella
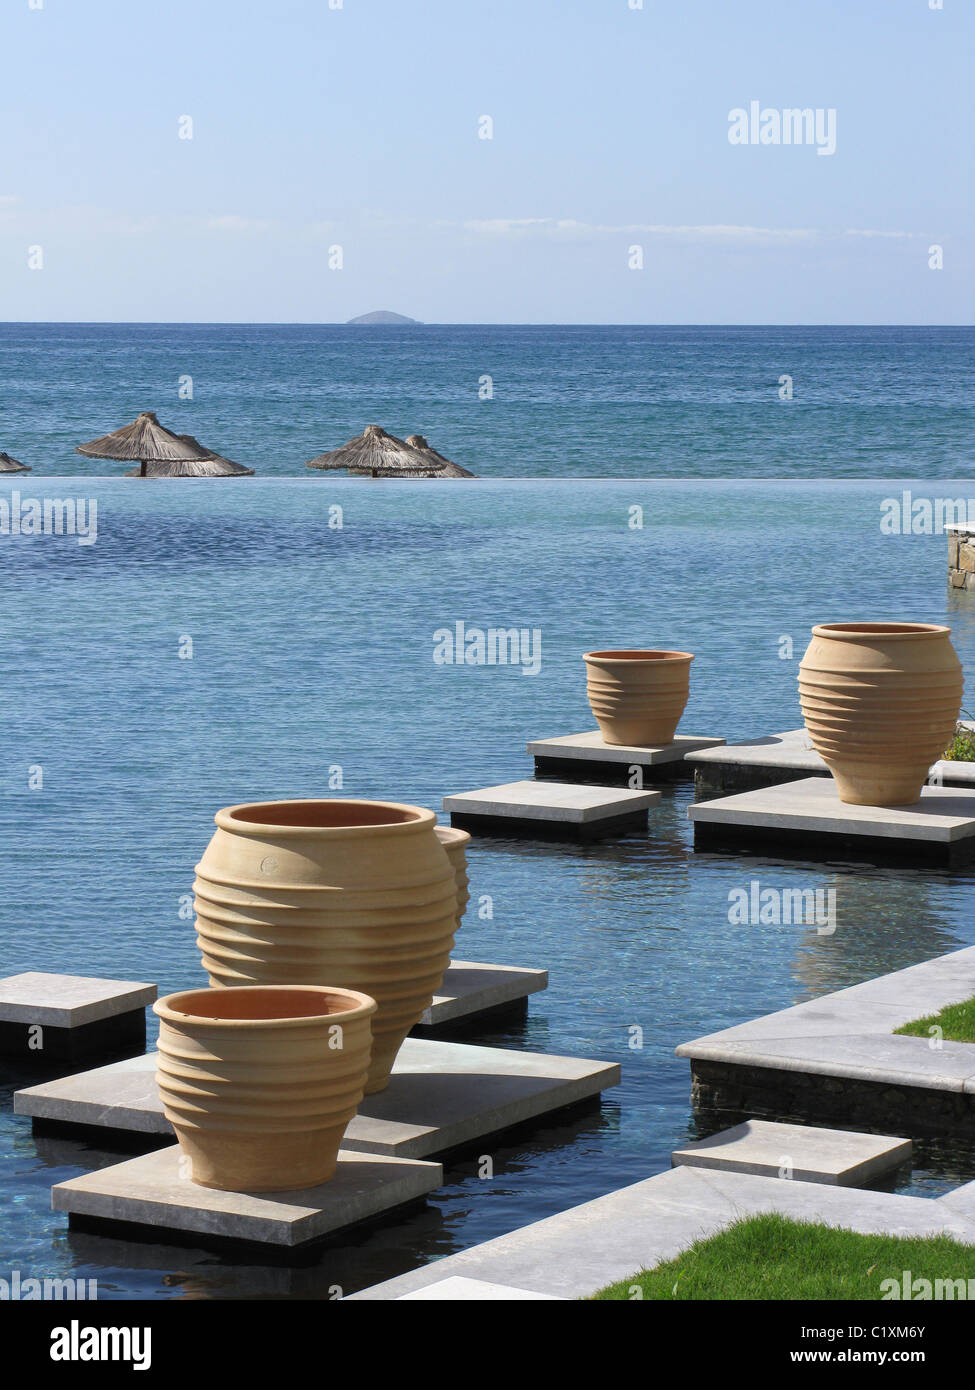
(162,454)
(440,467)
(9,465)
(212,466)
(377,453)
(146,440)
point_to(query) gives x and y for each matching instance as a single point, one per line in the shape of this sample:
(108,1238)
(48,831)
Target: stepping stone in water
(441,1095)
(154,1195)
(562,810)
(586,758)
(473,993)
(807,818)
(798,1152)
(785,757)
(46,1018)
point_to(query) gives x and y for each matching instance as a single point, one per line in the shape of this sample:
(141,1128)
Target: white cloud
(552,228)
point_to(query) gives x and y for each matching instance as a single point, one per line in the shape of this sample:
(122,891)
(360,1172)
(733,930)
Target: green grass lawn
(769,1257)
(956,1021)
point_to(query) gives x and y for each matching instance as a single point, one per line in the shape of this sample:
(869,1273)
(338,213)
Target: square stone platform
(756,762)
(786,757)
(441,1096)
(475,994)
(148,1197)
(562,810)
(46,1018)
(808,820)
(797,1152)
(586,758)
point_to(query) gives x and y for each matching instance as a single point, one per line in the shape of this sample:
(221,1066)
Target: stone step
(797,1152)
(565,810)
(441,1096)
(49,1019)
(587,758)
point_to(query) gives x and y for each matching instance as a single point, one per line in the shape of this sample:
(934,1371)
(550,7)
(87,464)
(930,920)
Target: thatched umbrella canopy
(9,465)
(377,453)
(146,440)
(211,466)
(440,467)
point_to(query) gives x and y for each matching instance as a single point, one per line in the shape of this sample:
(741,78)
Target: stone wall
(961,559)
(792,1095)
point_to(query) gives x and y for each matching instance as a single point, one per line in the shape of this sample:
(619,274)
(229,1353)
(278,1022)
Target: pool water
(310,651)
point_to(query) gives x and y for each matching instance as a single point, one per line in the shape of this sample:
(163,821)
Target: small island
(382,316)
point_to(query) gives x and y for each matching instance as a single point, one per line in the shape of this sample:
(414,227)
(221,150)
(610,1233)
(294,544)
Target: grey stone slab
(152,1191)
(817,1018)
(961,1201)
(550,801)
(459,1290)
(894,1060)
(441,1095)
(579,1251)
(943,815)
(797,1152)
(589,747)
(790,750)
(69,1001)
(122,1096)
(473,987)
(851,1032)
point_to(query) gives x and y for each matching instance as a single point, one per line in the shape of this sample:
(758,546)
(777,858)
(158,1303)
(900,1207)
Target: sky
(336,161)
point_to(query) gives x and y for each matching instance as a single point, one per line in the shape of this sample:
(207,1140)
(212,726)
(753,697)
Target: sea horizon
(531,401)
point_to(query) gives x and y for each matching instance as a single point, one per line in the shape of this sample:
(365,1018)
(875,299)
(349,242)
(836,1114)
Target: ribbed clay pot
(455,842)
(359,894)
(260,1083)
(880,701)
(638,697)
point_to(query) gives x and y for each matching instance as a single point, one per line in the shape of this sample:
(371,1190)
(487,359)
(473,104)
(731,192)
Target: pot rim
(452,835)
(852,632)
(631,655)
(405,819)
(167,1008)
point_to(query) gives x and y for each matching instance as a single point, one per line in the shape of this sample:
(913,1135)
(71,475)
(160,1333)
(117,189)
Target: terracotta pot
(880,701)
(455,842)
(260,1083)
(638,697)
(359,894)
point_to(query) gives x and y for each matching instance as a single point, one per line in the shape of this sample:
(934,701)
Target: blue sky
(357,127)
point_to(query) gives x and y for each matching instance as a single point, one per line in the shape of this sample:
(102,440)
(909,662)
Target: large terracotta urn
(359,894)
(260,1083)
(638,697)
(455,842)
(880,701)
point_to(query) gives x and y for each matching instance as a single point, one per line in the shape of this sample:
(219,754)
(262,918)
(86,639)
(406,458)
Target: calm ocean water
(576,401)
(312,648)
